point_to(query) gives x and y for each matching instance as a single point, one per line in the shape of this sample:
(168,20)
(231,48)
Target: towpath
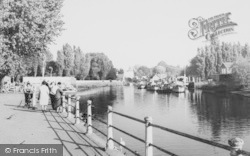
(21,125)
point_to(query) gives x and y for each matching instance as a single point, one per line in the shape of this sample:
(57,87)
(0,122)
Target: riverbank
(87,85)
(36,127)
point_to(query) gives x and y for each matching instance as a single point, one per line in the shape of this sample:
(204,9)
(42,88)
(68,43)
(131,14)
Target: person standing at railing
(44,96)
(58,98)
(28,93)
(53,88)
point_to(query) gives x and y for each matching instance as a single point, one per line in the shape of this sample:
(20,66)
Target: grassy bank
(87,85)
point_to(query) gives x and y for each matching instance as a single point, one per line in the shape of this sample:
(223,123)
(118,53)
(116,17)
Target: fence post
(77,116)
(148,136)
(89,117)
(69,106)
(236,144)
(63,102)
(34,98)
(110,142)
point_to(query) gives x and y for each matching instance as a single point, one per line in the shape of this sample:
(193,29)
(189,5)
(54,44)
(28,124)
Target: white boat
(179,88)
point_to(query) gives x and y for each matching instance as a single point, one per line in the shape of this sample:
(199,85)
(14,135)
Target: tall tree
(60,61)
(27,27)
(68,58)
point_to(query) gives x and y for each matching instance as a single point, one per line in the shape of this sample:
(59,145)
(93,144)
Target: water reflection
(216,117)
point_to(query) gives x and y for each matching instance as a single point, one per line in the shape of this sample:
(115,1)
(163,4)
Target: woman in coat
(58,98)
(44,96)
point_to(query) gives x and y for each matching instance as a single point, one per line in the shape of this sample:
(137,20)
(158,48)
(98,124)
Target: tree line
(27,28)
(210,58)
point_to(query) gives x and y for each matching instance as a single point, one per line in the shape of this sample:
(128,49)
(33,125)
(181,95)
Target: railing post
(110,142)
(34,98)
(69,106)
(236,144)
(148,136)
(63,102)
(89,117)
(77,116)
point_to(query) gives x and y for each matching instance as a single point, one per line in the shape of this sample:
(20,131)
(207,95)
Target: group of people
(47,93)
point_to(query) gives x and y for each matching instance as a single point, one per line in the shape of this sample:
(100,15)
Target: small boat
(166,88)
(152,87)
(179,88)
(141,86)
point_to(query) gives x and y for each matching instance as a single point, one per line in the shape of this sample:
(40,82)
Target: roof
(227,64)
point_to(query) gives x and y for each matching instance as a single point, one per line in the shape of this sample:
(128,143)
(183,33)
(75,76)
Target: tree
(112,74)
(27,27)
(55,68)
(241,72)
(77,60)
(100,65)
(143,71)
(60,61)
(68,58)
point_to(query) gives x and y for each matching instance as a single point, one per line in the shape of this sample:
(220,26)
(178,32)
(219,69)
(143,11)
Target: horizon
(144,32)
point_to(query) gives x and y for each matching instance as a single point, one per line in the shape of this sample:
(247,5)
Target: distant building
(158,77)
(226,68)
(129,74)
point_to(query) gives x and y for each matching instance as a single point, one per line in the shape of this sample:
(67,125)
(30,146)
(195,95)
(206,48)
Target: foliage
(27,27)
(208,60)
(100,65)
(68,58)
(112,74)
(77,60)
(241,72)
(143,71)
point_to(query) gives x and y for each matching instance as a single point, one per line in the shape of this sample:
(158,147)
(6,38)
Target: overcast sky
(145,32)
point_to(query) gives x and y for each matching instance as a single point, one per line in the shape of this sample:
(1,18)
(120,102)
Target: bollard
(89,117)
(110,142)
(69,106)
(148,136)
(77,116)
(236,144)
(63,102)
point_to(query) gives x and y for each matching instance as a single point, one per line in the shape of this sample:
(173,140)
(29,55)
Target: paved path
(21,125)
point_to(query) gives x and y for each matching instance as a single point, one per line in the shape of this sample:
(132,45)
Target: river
(216,117)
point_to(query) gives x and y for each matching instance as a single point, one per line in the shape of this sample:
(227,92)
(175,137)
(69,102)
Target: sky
(145,32)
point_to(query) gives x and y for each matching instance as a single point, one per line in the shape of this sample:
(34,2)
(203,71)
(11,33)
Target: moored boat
(179,88)
(166,88)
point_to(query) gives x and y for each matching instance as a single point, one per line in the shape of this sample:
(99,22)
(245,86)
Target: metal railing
(235,147)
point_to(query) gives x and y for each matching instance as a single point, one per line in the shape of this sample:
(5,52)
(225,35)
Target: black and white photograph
(124,78)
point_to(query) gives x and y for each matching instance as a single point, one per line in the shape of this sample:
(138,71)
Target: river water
(216,117)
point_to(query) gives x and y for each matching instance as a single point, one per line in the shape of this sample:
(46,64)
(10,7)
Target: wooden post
(89,117)
(63,102)
(236,144)
(69,106)
(110,142)
(148,136)
(77,115)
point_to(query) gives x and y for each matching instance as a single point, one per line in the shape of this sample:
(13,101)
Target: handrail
(135,119)
(148,136)
(215,144)
(131,135)
(226,147)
